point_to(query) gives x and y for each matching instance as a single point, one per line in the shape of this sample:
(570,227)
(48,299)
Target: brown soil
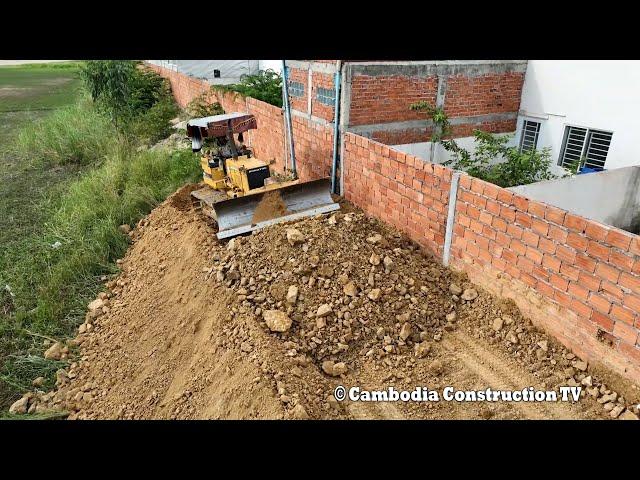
(183,333)
(271,206)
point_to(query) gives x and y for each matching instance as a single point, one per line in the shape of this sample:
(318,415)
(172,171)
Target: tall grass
(76,134)
(52,285)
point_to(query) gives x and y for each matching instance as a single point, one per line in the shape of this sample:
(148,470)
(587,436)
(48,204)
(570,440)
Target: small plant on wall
(493,159)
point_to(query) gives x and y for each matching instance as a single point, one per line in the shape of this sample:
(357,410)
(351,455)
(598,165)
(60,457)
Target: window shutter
(579,143)
(597,148)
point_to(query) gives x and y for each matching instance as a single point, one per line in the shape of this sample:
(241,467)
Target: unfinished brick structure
(376,96)
(574,277)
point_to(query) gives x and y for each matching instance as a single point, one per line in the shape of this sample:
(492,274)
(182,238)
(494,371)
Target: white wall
(275,65)
(600,94)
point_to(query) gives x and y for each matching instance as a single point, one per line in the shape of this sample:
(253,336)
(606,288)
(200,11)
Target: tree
(266,85)
(492,160)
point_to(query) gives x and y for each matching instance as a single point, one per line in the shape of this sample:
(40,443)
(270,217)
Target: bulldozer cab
(222,128)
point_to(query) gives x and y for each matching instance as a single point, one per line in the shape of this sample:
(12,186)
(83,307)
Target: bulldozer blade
(235,216)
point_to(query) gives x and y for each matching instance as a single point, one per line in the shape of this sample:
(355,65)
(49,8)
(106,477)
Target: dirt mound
(268,325)
(182,199)
(271,206)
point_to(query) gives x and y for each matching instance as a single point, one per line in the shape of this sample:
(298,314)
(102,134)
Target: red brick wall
(318,109)
(399,188)
(184,88)
(577,278)
(314,148)
(491,93)
(299,103)
(385,99)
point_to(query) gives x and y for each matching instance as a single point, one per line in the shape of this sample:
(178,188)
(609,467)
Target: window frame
(294,87)
(524,130)
(586,145)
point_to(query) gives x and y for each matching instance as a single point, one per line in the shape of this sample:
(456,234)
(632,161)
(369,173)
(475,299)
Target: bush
(138,100)
(201,107)
(266,85)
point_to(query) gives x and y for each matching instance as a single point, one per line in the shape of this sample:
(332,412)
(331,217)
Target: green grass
(67,179)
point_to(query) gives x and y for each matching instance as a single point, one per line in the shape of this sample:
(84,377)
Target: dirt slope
(183,331)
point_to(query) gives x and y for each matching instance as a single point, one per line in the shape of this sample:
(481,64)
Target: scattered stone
(326,271)
(292,295)
(374,259)
(587,381)
(54,352)
(580,365)
(388,264)
(233,244)
(628,415)
(20,407)
(451,317)
(294,236)
(544,345)
(323,310)
(422,349)
(299,413)
(469,294)
(405,331)
(332,220)
(512,338)
(436,367)
(497,324)
(377,238)
(38,382)
(455,289)
(96,305)
(374,294)
(277,321)
(350,289)
(616,411)
(334,369)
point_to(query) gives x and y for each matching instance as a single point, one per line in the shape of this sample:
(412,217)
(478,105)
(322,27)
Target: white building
(582,109)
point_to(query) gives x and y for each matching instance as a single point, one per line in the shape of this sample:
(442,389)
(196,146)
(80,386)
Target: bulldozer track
(499,373)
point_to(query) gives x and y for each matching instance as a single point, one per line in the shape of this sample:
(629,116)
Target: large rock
(54,352)
(373,239)
(292,295)
(405,331)
(469,294)
(455,289)
(294,236)
(277,321)
(299,413)
(323,310)
(350,289)
(374,294)
(628,415)
(422,349)
(374,259)
(334,369)
(20,407)
(96,305)
(497,324)
(388,264)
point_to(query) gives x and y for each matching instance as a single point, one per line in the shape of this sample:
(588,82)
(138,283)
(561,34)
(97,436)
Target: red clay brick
(558,233)
(525,264)
(619,259)
(589,281)
(562,298)
(518,247)
(578,291)
(505,196)
(635,246)
(499,224)
(554,214)
(582,309)
(559,282)
(534,254)
(547,245)
(575,222)
(619,238)
(579,242)
(630,351)
(623,314)
(523,219)
(520,203)
(625,332)
(514,231)
(486,217)
(632,301)
(566,254)
(584,262)
(612,289)
(607,272)
(536,208)
(596,231)
(530,238)
(600,303)
(604,321)
(598,250)
(508,213)
(569,271)
(541,227)
(551,262)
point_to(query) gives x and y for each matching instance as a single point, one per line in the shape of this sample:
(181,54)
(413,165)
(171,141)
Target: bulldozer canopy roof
(217,125)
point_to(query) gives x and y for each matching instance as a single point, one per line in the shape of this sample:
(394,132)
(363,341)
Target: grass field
(27,93)
(68,179)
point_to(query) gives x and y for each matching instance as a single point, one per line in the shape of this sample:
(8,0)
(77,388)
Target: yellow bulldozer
(240,193)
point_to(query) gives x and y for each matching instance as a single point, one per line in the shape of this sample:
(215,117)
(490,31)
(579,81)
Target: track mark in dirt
(501,374)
